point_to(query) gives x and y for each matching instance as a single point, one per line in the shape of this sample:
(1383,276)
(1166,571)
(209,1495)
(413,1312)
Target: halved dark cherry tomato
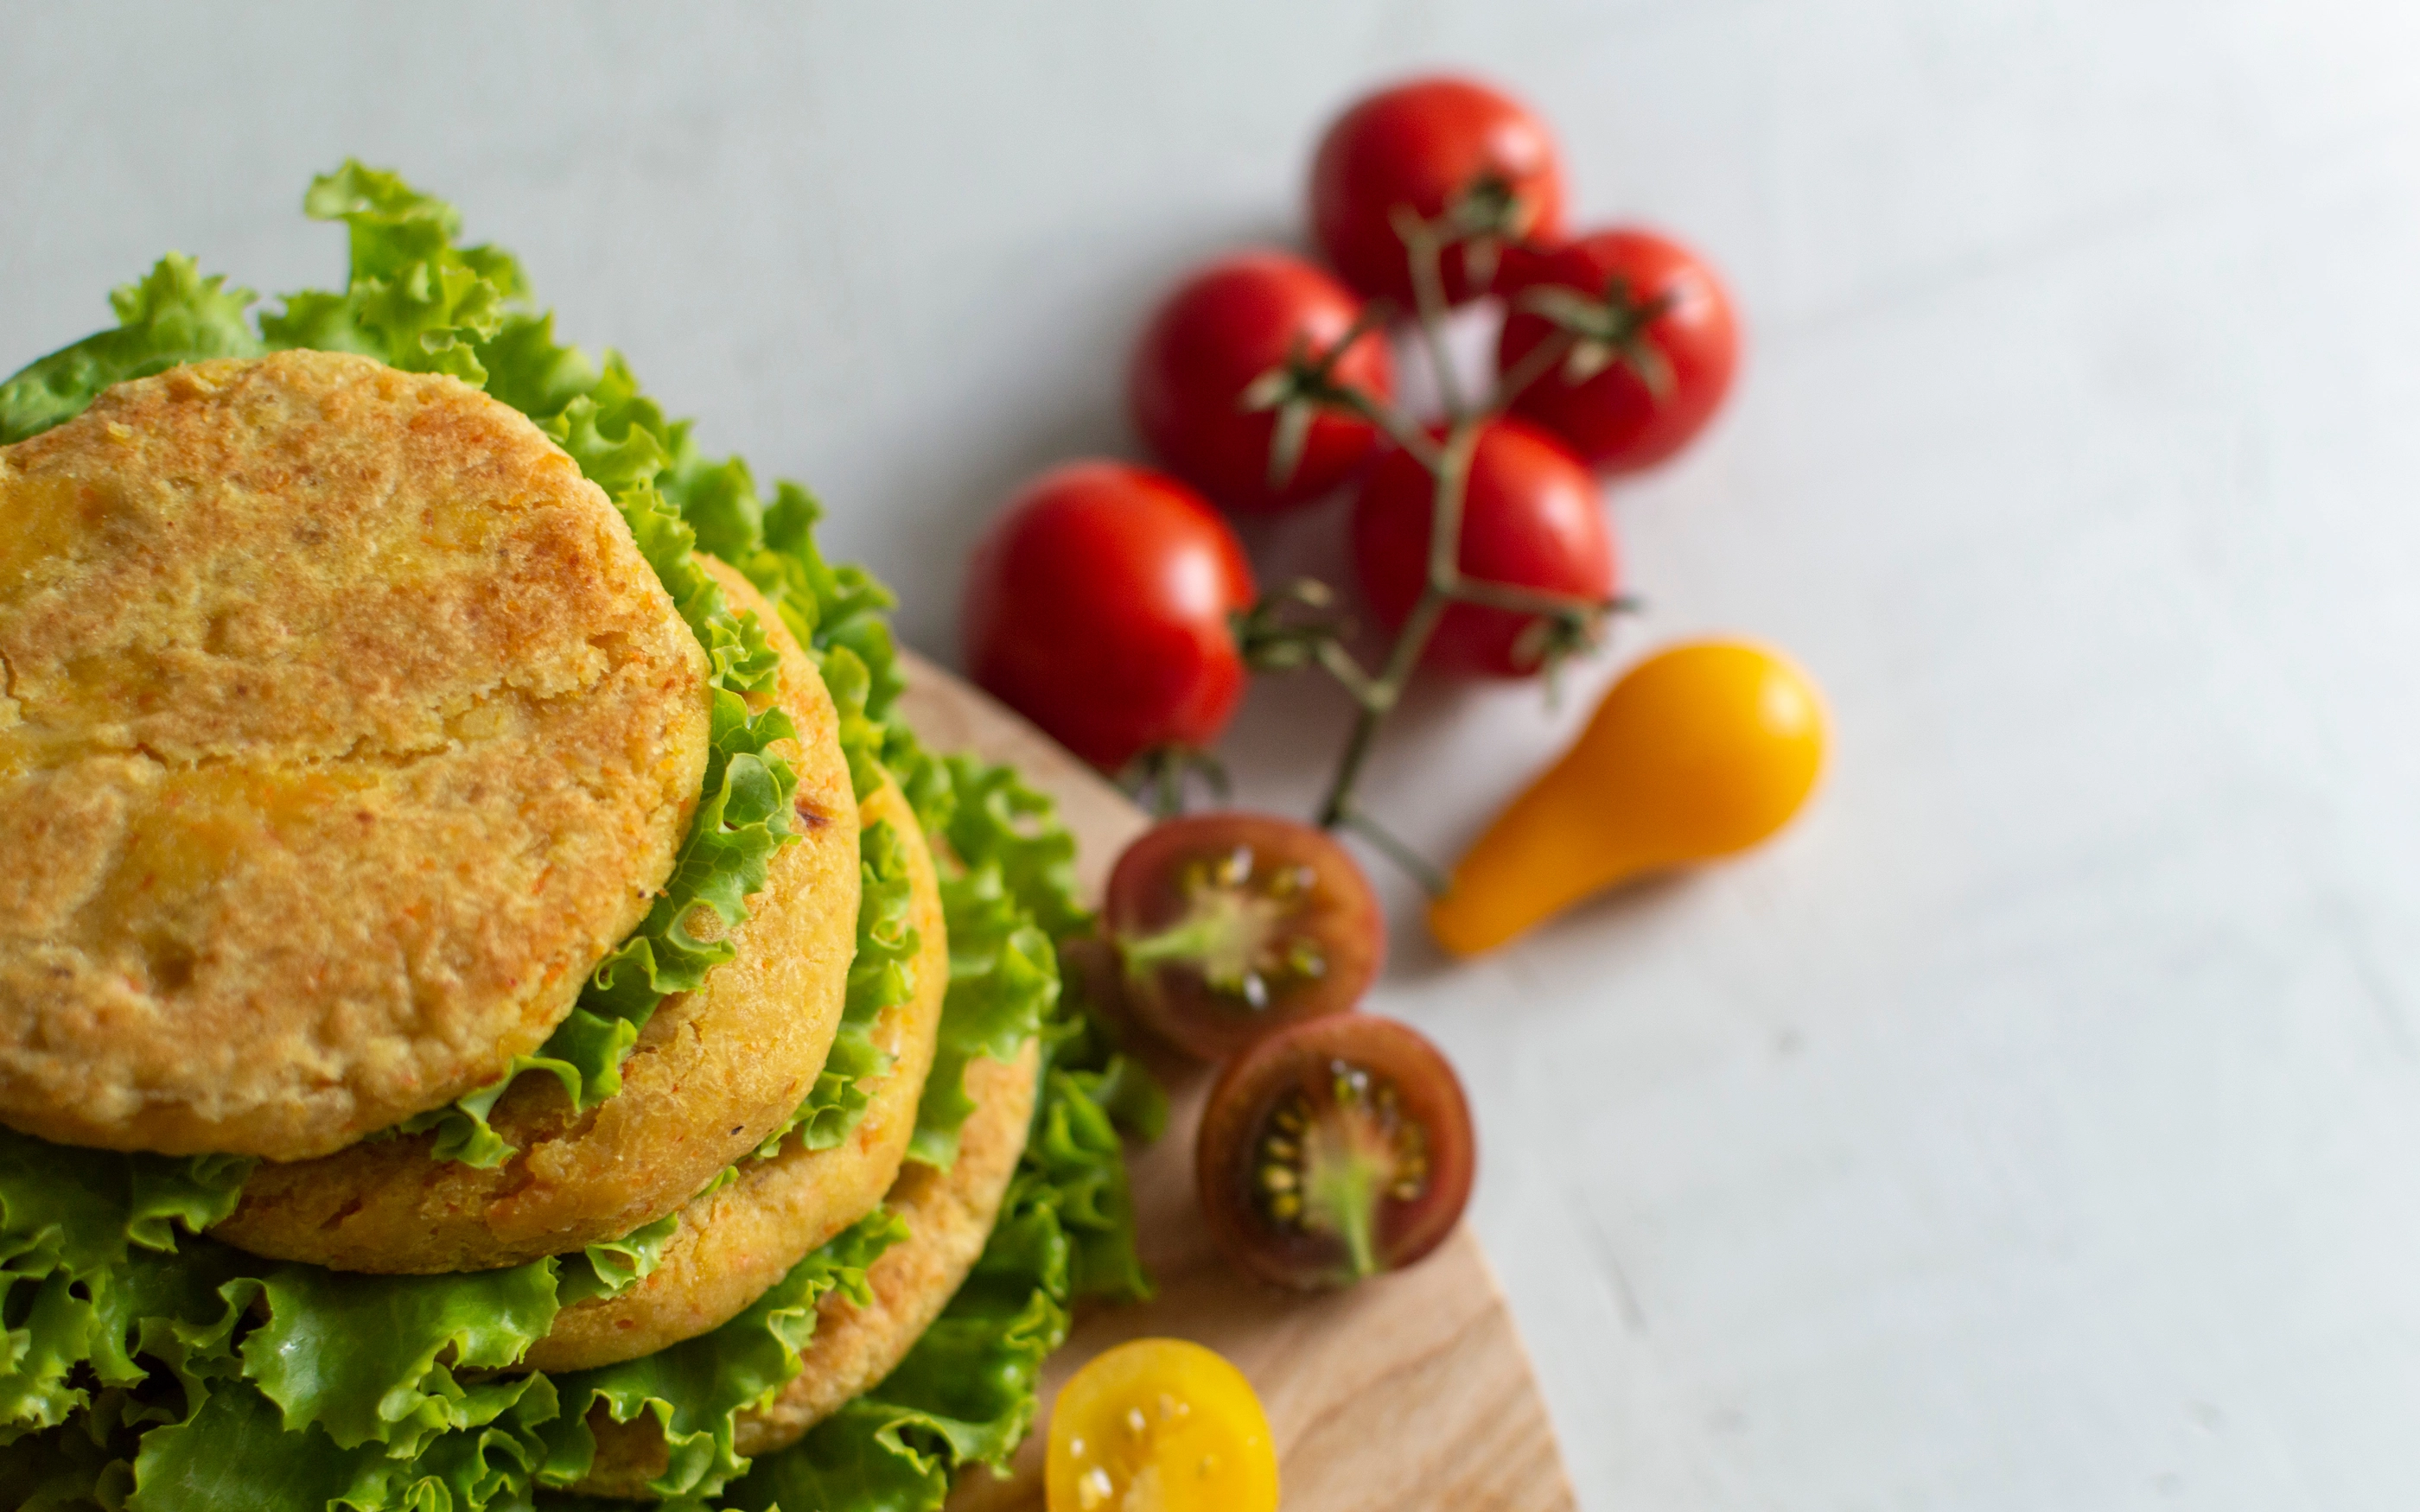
(1335,1149)
(1230,925)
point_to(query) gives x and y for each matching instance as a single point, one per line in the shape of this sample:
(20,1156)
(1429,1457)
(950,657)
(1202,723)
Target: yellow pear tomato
(1161,1425)
(1698,751)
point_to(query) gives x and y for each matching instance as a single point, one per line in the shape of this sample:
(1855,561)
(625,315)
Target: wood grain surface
(1409,1392)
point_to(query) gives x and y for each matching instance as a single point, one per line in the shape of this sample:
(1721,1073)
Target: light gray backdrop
(2035,1127)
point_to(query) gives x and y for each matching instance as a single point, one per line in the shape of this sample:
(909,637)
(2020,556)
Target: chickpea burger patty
(497,1006)
(346,729)
(714,1072)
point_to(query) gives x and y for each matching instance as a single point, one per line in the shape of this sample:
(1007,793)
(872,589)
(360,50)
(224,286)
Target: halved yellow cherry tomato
(1161,1425)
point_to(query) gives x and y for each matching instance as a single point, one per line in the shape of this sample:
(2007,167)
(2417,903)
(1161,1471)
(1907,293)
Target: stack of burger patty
(493,1011)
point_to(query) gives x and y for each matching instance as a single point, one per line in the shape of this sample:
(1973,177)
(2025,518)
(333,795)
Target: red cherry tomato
(1097,608)
(1218,335)
(1426,144)
(1530,517)
(1230,925)
(1333,1149)
(1619,417)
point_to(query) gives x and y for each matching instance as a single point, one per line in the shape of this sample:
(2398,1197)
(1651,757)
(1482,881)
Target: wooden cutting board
(1410,1392)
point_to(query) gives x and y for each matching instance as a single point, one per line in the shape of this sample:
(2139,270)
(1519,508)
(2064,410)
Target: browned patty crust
(343,731)
(715,1071)
(734,1244)
(950,1216)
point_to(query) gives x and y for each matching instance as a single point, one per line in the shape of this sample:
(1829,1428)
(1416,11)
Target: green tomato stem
(1375,695)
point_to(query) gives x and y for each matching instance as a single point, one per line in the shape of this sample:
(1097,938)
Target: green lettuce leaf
(1011,896)
(695,1389)
(529,370)
(1076,1155)
(1003,982)
(360,1356)
(70,1219)
(412,298)
(965,1394)
(827,606)
(355,1360)
(73,1467)
(174,315)
(997,821)
(611,1267)
(234,1452)
(881,975)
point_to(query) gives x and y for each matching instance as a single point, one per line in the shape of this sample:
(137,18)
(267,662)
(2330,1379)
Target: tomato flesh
(1421,146)
(1646,402)
(1335,1149)
(1531,516)
(1159,1426)
(1098,607)
(1217,336)
(1230,925)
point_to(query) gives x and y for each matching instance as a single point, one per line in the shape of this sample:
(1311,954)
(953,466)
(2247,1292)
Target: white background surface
(2037,1126)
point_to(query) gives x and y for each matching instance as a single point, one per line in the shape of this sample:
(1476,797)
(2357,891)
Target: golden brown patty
(344,730)
(950,1216)
(714,1072)
(734,1244)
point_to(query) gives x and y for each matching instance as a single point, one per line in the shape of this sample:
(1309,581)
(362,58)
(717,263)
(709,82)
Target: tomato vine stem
(1424,244)
(1159,776)
(1273,643)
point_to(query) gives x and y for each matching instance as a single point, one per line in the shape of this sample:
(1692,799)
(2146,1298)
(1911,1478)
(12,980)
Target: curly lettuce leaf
(1003,982)
(234,1453)
(529,370)
(378,1359)
(1012,896)
(695,1390)
(121,1293)
(825,606)
(69,1222)
(997,821)
(966,1394)
(360,1356)
(881,975)
(612,1266)
(174,315)
(1074,1151)
(345,1390)
(412,298)
(73,1467)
